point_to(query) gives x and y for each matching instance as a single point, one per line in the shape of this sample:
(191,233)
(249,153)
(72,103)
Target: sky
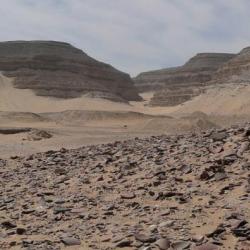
(132,35)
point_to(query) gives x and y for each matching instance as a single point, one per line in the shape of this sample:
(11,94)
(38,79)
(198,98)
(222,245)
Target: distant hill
(177,85)
(58,69)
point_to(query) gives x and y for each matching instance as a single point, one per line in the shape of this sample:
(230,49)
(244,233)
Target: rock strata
(58,69)
(236,70)
(181,83)
(159,192)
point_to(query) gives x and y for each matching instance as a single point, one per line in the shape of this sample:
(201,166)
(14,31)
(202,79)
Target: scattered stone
(163,244)
(180,245)
(70,241)
(145,238)
(124,243)
(129,195)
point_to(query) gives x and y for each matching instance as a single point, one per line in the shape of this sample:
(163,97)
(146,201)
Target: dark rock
(8,224)
(220,176)
(219,136)
(145,238)
(163,244)
(128,196)
(70,241)
(20,230)
(180,245)
(124,243)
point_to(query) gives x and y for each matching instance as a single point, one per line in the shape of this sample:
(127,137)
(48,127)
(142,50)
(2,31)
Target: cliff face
(60,70)
(235,70)
(177,85)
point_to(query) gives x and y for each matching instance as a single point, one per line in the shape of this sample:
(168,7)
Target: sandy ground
(24,100)
(225,99)
(66,131)
(121,122)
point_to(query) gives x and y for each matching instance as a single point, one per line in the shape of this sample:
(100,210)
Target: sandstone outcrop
(181,83)
(58,69)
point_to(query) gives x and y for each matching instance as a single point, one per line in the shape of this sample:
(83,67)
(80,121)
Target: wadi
(92,158)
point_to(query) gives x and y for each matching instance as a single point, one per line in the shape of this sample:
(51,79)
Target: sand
(83,121)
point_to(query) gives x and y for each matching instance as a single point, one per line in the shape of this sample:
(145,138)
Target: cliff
(177,85)
(60,70)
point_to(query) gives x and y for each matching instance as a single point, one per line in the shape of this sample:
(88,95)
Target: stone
(8,224)
(70,241)
(220,136)
(145,238)
(124,243)
(163,244)
(220,176)
(168,223)
(198,238)
(20,230)
(180,245)
(128,196)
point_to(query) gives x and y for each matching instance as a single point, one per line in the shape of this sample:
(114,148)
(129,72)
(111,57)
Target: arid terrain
(162,163)
(163,192)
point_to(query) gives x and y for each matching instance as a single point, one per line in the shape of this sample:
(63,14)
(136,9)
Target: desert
(124,126)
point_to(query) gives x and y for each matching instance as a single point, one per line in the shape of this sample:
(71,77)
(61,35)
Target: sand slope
(24,100)
(228,99)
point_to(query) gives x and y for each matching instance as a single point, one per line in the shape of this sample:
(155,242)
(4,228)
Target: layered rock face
(235,70)
(60,70)
(181,83)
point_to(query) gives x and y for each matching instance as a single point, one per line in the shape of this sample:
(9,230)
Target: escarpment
(236,70)
(177,85)
(58,69)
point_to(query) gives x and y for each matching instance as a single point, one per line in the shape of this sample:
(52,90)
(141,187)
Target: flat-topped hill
(177,85)
(197,70)
(60,70)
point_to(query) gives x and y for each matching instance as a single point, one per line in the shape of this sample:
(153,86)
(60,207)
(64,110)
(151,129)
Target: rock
(70,241)
(58,210)
(220,176)
(215,233)
(219,136)
(124,243)
(37,135)
(163,244)
(63,71)
(47,194)
(128,196)
(243,147)
(168,223)
(206,175)
(145,238)
(8,224)
(20,230)
(180,245)
(198,238)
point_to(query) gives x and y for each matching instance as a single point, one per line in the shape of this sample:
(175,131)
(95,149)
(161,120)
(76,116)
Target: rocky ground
(165,192)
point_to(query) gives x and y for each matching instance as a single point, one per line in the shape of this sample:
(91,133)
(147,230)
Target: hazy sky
(132,35)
